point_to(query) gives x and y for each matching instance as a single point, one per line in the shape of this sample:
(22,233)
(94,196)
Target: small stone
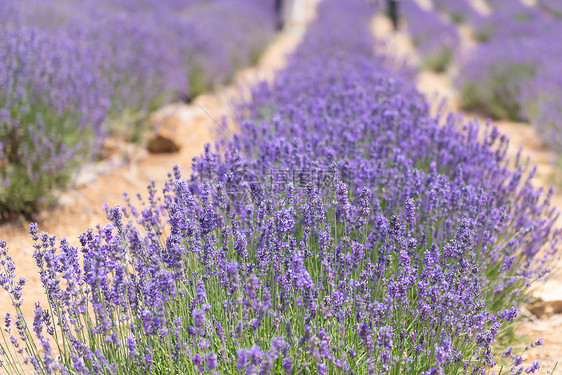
(67,201)
(109,148)
(545,309)
(166,137)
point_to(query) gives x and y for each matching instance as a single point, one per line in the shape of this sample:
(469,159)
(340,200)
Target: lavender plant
(294,287)
(48,123)
(511,75)
(70,72)
(460,11)
(494,85)
(510,20)
(433,36)
(343,230)
(553,7)
(542,105)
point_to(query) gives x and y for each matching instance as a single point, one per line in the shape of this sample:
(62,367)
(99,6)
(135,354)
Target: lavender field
(337,226)
(69,71)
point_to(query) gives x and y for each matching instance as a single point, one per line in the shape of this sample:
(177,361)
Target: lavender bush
(48,122)
(343,230)
(552,6)
(542,105)
(510,21)
(460,11)
(494,84)
(512,75)
(434,37)
(70,72)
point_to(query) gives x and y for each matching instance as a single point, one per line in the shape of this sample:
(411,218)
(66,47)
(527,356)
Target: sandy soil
(437,87)
(80,207)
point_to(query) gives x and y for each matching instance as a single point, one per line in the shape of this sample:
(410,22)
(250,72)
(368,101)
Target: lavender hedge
(514,73)
(72,72)
(343,230)
(460,11)
(48,121)
(552,6)
(434,37)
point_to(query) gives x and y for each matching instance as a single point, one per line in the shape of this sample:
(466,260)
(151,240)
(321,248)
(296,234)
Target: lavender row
(73,72)
(514,73)
(552,6)
(343,230)
(434,37)
(460,11)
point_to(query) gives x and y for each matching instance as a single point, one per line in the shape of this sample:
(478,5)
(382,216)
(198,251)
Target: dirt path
(194,124)
(439,86)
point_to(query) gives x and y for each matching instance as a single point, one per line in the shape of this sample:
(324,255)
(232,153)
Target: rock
(67,200)
(545,309)
(551,290)
(166,136)
(86,175)
(89,172)
(109,148)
